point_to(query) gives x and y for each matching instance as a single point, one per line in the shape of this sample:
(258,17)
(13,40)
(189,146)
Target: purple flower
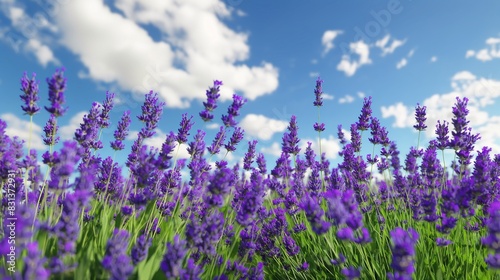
(291,140)
(314,215)
(442,135)
(403,253)
(164,158)
(171,264)
(121,132)
(116,261)
(152,110)
(318,91)
(303,267)
(34,264)
(217,142)
(183,131)
(249,155)
(235,139)
(204,234)
(88,133)
(30,96)
(492,240)
(351,273)
(109,181)
(420,117)
(261,163)
(57,86)
(140,249)
(192,271)
(219,186)
(442,242)
(340,260)
(355,138)
(290,245)
(211,103)
(365,116)
(106,108)
(319,127)
(64,166)
(233,111)
(50,130)
(341,135)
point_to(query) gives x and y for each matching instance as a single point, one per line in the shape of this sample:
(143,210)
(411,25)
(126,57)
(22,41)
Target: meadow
(71,213)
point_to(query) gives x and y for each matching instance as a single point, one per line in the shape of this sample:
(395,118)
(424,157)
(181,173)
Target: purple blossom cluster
(198,219)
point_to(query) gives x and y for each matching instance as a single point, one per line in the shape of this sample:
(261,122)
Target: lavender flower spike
(57,86)
(50,130)
(403,253)
(211,104)
(116,260)
(492,240)
(365,116)
(30,96)
(318,91)
(420,118)
(107,106)
(233,111)
(121,132)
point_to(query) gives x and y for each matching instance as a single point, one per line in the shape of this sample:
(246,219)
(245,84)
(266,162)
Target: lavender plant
(94,217)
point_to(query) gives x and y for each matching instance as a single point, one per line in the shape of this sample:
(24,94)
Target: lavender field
(72,213)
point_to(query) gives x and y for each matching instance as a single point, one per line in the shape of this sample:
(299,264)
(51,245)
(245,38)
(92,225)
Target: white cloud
(261,126)
(20,128)
(349,66)
(313,74)
(346,99)
(212,125)
(327,96)
(492,50)
(400,112)
(31,29)
(67,132)
(402,63)
(481,93)
(434,59)
(361,94)
(328,38)
(42,52)
(273,150)
(388,49)
(194,46)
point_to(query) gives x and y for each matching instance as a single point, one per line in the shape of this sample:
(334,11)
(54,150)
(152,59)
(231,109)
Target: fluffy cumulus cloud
(348,65)
(176,48)
(346,99)
(387,48)
(27,33)
(491,51)
(481,93)
(327,40)
(434,59)
(261,126)
(21,128)
(273,150)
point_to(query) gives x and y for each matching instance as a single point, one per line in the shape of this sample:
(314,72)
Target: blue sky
(399,52)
